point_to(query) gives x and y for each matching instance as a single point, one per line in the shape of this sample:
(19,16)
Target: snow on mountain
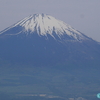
(45,24)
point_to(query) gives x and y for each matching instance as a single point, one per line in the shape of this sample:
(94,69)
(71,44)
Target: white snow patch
(46,24)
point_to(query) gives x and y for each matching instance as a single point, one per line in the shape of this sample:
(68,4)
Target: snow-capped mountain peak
(44,24)
(42,40)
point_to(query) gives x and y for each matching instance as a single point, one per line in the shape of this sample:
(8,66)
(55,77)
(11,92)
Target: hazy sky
(83,15)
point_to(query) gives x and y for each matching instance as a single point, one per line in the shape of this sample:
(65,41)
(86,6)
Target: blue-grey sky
(83,15)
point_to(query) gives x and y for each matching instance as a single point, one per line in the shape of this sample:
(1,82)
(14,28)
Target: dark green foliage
(71,83)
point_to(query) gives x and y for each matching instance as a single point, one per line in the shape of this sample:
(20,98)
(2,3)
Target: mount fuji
(43,58)
(41,39)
